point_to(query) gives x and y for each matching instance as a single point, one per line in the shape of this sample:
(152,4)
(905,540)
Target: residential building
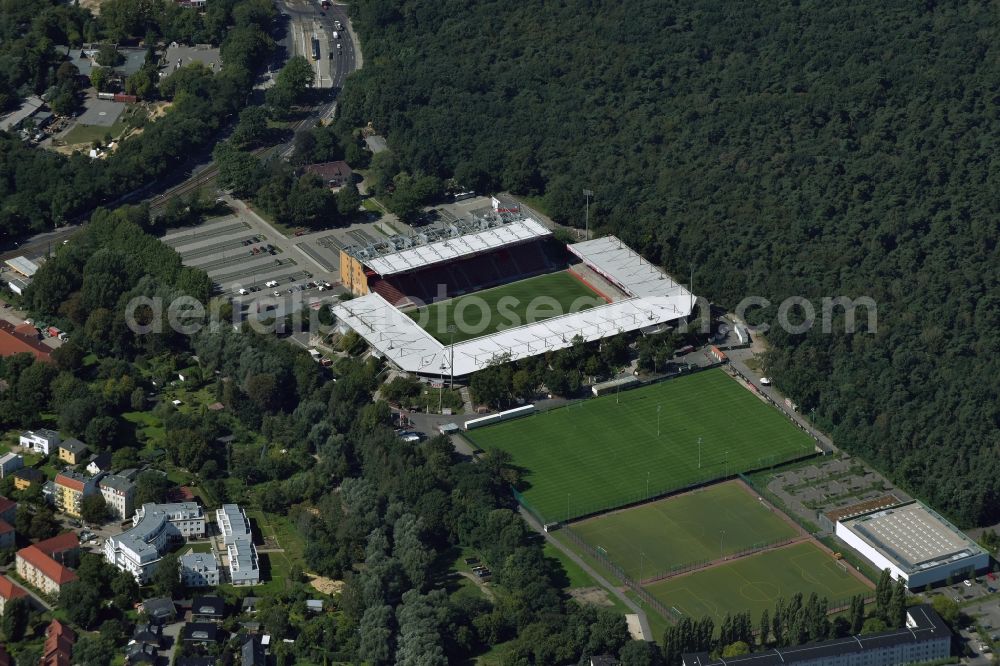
(119,494)
(200,632)
(160,610)
(154,527)
(42,441)
(10,463)
(244,566)
(925,638)
(199,569)
(43,565)
(8,510)
(140,653)
(334,174)
(70,489)
(148,633)
(99,463)
(252,652)
(58,647)
(72,451)
(208,608)
(22,339)
(26,477)
(6,535)
(9,590)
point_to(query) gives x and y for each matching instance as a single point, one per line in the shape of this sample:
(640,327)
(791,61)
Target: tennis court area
(699,526)
(606,452)
(491,310)
(754,583)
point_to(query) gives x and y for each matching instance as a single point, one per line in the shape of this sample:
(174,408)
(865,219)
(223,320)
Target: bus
(315,46)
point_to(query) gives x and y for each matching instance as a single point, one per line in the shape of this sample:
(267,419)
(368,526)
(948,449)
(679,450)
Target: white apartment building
(154,527)
(41,441)
(199,569)
(119,495)
(10,463)
(244,567)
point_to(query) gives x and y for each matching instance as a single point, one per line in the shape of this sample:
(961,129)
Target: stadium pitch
(695,527)
(491,310)
(754,583)
(606,452)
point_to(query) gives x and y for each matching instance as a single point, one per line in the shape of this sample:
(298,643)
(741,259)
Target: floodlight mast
(587,194)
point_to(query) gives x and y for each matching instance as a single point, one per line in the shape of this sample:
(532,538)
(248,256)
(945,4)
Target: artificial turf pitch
(703,525)
(515,304)
(754,583)
(606,452)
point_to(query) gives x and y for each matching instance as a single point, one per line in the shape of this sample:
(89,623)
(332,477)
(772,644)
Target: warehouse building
(914,543)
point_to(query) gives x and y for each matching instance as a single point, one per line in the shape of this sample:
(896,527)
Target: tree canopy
(773,149)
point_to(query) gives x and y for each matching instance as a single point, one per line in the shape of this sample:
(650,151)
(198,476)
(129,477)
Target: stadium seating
(474,273)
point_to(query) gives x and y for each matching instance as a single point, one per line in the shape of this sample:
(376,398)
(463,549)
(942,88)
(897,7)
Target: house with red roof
(9,590)
(43,565)
(22,339)
(58,648)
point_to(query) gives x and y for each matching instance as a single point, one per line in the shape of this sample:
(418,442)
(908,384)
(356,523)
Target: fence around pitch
(633,585)
(777,503)
(701,564)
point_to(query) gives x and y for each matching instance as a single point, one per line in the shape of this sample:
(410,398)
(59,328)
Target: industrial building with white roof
(914,543)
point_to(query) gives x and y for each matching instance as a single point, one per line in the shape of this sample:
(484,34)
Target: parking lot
(254,265)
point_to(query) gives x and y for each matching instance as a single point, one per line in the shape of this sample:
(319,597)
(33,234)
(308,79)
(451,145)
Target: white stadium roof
(656,300)
(625,268)
(401,340)
(450,248)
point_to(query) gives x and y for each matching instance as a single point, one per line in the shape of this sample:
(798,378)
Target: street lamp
(587,194)
(451,362)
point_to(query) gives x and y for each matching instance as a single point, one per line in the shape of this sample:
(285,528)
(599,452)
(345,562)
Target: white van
(242,292)
(271,283)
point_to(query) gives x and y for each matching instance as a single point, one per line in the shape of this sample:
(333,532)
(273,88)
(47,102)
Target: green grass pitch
(754,583)
(491,310)
(606,452)
(699,526)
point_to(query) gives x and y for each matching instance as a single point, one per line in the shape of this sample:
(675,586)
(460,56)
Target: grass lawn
(577,577)
(526,301)
(606,452)
(277,532)
(90,133)
(755,583)
(699,526)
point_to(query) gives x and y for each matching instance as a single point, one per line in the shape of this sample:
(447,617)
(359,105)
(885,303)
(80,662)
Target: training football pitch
(491,310)
(606,452)
(699,526)
(754,583)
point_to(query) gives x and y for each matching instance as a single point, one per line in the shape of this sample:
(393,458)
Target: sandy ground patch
(326,585)
(594,596)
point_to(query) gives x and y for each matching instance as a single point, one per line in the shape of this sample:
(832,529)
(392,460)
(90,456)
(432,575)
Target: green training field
(606,452)
(491,310)
(755,583)
(699,526)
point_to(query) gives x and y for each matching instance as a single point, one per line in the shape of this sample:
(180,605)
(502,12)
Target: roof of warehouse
(912,536)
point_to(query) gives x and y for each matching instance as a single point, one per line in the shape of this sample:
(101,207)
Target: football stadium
(455,298)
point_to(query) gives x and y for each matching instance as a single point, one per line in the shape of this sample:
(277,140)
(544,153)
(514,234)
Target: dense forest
(775,149)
